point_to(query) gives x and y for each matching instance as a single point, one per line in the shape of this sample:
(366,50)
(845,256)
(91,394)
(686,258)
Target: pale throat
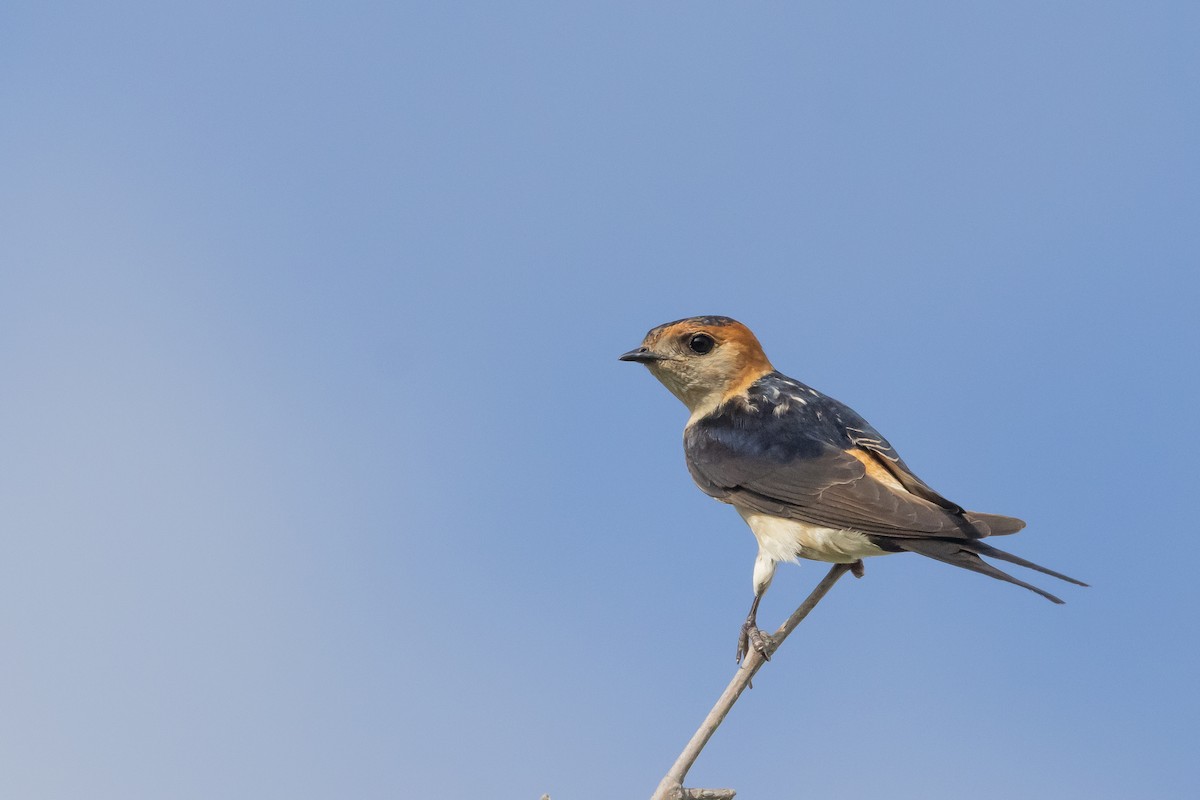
(704,388)
(701,398)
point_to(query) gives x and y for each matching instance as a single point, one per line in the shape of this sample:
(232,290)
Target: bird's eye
(701,343)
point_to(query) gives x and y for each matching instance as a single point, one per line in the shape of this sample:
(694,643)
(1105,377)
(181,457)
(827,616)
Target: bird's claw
(752,637)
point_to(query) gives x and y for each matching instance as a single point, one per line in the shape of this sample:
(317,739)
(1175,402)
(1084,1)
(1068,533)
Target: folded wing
(803,478)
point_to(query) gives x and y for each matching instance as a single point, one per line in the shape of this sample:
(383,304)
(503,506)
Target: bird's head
(703,360)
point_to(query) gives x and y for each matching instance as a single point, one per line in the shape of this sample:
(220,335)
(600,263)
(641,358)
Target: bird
(810,477)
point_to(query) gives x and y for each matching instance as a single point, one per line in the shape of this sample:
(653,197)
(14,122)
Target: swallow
(810,477)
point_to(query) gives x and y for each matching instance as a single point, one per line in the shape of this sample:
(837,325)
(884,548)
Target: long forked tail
(966,554)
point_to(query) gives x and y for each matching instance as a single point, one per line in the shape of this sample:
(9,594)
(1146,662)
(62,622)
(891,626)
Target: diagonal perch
(671,787)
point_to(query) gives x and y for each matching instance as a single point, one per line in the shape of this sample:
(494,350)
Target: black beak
(641,356)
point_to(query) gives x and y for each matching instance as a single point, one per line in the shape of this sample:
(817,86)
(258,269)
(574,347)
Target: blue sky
(320,478)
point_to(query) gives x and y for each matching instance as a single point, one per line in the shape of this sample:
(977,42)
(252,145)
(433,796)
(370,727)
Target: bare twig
(671,787)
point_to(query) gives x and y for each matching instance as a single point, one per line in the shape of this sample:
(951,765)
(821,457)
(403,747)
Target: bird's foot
(857,569)
(750,637)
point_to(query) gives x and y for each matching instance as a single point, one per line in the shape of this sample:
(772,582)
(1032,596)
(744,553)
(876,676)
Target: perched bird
(809,476)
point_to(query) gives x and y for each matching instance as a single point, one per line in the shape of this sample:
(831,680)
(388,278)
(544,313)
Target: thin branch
(671,787)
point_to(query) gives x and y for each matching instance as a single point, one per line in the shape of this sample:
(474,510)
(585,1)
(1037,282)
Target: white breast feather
(787,539)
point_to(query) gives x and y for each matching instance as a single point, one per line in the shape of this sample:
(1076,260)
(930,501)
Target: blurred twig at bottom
(671,787)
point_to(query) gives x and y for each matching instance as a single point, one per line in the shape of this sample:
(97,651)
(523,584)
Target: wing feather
(801,477)
(886,456)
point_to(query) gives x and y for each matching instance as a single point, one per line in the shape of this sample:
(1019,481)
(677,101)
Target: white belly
(782,539)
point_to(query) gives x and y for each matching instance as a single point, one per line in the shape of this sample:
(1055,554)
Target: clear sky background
(319,477)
